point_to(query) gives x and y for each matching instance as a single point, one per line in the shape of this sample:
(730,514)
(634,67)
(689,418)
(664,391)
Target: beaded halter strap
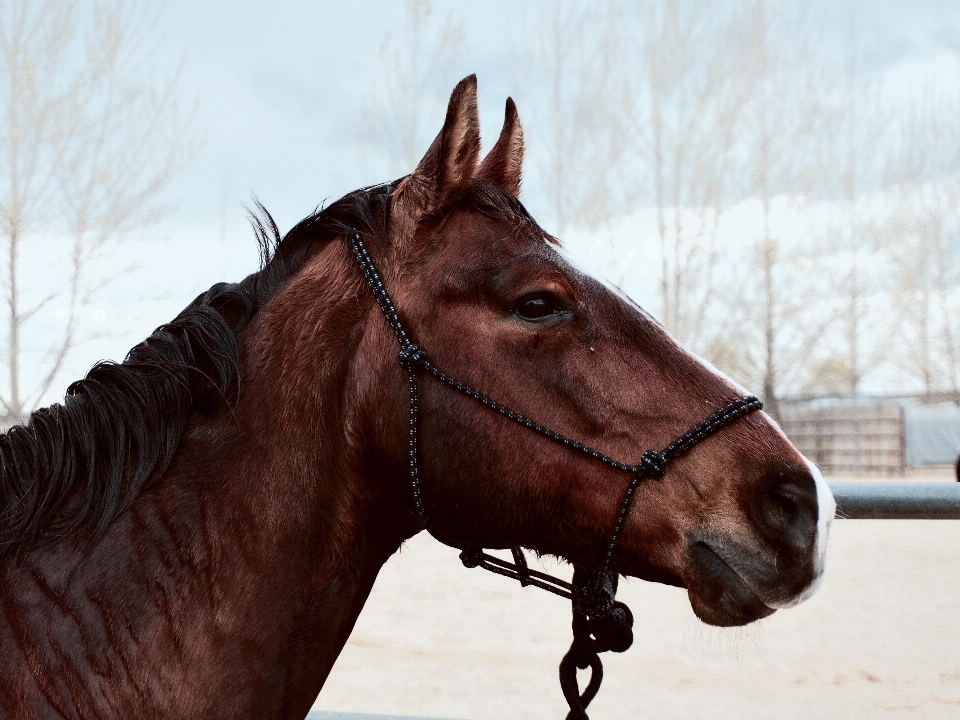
(600,623)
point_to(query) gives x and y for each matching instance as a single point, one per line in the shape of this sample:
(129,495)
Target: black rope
(609,630)
(600,623)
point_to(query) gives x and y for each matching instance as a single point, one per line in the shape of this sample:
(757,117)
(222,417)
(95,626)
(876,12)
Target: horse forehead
(471,241)
(471,228)
(494,246)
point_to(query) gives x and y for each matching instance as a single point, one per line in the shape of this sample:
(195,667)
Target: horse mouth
(718,594)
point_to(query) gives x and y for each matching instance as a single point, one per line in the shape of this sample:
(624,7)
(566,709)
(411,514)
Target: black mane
(73,467)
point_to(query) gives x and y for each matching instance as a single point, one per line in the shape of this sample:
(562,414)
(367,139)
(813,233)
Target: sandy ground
(880,640)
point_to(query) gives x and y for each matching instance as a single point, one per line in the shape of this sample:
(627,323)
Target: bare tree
(399,119)
(88,140)
(862,125)
(923,240)
(780,314)
(687,107)
(574,70)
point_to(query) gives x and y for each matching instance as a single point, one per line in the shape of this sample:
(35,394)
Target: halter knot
(471,557)
(654,464)
(411,356)
(592,601)
(613,630)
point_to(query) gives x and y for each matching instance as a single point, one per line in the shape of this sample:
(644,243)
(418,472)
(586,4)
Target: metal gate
(849,438)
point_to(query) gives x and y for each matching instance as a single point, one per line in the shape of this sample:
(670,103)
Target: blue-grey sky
(279,88)
(280,94)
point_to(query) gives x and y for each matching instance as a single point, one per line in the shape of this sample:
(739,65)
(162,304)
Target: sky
(279,93)
(276,92)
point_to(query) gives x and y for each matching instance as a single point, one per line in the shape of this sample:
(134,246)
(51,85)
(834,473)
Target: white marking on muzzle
(827,508)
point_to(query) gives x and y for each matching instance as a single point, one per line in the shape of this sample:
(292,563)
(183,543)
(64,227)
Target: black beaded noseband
(600,623)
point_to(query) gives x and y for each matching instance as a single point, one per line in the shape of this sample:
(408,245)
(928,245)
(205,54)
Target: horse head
(741,521)
(194,531)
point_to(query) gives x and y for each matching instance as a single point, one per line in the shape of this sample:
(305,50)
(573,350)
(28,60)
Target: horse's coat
(225,581)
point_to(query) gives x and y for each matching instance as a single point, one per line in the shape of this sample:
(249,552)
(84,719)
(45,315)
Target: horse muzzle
(776,560)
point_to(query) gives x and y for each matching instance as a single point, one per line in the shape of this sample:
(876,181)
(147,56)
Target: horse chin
(718,594)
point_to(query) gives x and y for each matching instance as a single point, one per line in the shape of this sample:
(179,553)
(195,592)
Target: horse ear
(503,165)
(451,159)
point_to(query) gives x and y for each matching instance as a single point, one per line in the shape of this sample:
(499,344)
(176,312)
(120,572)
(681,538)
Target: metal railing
(897,501)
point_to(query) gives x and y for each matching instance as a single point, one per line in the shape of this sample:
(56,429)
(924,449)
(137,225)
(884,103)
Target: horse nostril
(785,508)
(783,504)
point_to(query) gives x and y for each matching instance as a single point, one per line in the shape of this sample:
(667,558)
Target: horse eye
(536,308)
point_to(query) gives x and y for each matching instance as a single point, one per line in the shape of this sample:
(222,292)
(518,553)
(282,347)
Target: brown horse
(194,532)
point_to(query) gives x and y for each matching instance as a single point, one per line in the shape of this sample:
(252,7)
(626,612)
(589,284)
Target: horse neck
(232,585)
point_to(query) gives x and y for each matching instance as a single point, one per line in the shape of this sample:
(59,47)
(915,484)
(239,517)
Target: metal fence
(897,501)
(849,438)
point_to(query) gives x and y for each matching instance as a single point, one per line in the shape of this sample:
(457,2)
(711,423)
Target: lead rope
(600,623)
